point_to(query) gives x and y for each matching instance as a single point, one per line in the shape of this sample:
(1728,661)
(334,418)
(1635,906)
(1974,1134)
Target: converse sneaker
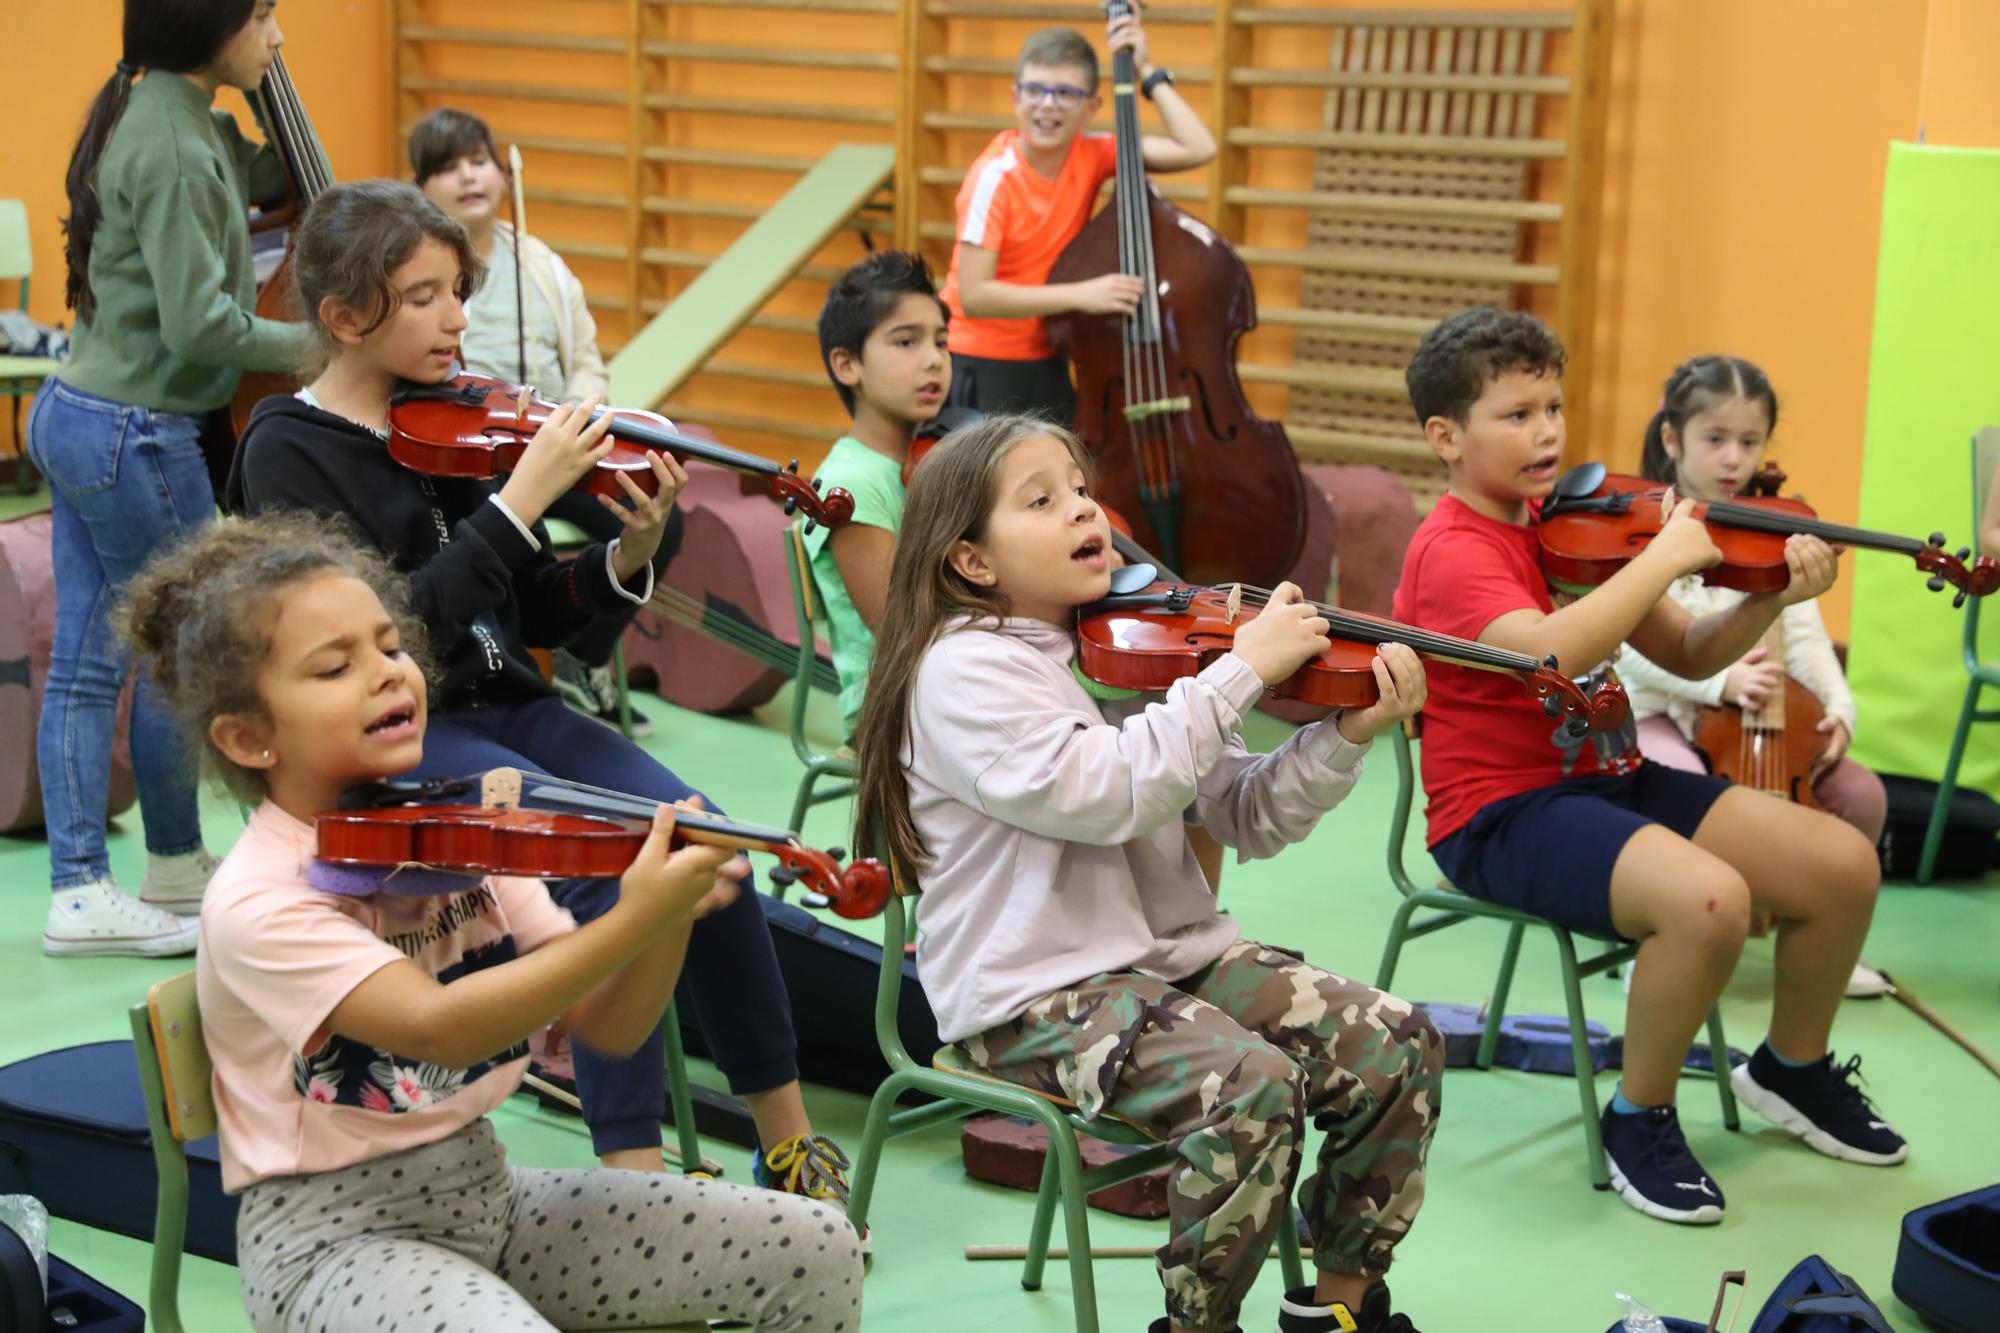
(808,1164)
(1820,1103)
(98,918)
(175,883)
(1652,1169)
(1298,1312)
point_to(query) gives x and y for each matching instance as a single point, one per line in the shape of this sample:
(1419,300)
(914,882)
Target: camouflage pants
(1226,1066)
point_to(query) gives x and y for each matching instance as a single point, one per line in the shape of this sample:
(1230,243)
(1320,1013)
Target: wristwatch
(1154,80)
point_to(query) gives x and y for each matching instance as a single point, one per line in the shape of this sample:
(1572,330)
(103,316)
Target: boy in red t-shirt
(1521,816)
(1025,199)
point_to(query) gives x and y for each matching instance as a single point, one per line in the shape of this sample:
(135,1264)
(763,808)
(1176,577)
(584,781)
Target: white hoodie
(1054,821)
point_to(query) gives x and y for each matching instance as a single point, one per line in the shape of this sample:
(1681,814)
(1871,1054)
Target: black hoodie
(483,590)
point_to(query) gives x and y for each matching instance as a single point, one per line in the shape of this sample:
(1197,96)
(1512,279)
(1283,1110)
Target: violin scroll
(1978,579)
(793,491)
(855,892)
(1604,708)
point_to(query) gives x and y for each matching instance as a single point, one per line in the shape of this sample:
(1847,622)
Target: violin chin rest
(409,881)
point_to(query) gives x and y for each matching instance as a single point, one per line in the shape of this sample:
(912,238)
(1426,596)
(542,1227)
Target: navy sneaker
(1161,1325)
(1820,1103)
(1298,1312)
(1653,1170)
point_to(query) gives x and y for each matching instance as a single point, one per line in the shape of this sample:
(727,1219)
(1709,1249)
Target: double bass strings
(1143,355)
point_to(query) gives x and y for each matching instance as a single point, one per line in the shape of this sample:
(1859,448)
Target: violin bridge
(500,788)
(1235,604)
(1158,407)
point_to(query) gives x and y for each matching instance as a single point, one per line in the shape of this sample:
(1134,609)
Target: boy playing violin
(1025,199)
(1621,847)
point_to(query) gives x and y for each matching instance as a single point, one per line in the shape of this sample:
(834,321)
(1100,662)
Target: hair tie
(127,68)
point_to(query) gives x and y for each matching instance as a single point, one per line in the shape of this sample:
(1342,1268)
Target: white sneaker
(1866,983)
(98,918)
(175,883)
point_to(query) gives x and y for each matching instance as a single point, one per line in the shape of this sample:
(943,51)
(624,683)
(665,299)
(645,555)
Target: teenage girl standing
(161,280)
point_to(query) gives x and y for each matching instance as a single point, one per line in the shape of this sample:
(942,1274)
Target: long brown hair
(951,499)
(171,36)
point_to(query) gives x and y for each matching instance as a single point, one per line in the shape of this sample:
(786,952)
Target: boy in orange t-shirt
(1025,199)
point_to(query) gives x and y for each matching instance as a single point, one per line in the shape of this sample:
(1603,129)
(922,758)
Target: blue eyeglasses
(1066,96)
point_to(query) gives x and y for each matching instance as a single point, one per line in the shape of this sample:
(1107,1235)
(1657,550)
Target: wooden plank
(769,109)
(736,284)
(1397,205)
(1346,321)
(1079,14)
(1406,266)
(1315,444)
(1332,17)
(1004,68)
(1402,80)
(1449,145)
(504,88)
(797,57)
(533,41)
(803,6)
(1353,379)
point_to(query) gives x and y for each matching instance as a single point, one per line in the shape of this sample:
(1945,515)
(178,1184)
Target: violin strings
(1422,640)
(1735,515)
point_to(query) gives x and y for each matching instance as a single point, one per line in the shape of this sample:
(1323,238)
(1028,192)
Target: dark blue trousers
(730,983)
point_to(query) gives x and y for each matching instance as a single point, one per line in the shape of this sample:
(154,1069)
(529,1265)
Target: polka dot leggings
(448,1238)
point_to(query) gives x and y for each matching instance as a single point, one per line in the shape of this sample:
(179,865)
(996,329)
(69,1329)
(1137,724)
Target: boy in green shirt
(882,336)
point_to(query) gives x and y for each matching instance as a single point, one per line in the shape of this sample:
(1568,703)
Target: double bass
(1205,482)
(308,174)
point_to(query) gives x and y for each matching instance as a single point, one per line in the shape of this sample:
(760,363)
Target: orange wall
(1742,197)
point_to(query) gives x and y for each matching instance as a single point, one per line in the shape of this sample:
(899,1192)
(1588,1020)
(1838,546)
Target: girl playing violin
(351,1082)
(1707,440)
(161,280)
(383,276)
(1066,937)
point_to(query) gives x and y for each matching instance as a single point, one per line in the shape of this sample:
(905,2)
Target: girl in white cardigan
(1066,936)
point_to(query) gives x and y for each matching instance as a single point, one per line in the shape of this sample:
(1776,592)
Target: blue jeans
(125,482)
(730,983)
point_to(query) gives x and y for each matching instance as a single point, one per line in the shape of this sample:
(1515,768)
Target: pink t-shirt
(277,956)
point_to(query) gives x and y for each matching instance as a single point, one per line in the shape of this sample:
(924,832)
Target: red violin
(1594,522)
(509,822)
(1148,634)
(474,426)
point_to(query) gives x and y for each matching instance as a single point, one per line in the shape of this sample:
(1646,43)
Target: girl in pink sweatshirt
(1066,937)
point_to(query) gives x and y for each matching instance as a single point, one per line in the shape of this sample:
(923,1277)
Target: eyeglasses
(1066,96)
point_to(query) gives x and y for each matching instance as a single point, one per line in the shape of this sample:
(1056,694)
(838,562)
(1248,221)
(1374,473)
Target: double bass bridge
(1158,407)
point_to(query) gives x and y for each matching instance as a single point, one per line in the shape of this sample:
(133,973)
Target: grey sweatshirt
(1055,820)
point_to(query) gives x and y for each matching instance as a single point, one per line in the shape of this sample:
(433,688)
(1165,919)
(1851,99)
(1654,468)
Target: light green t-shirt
(876,483)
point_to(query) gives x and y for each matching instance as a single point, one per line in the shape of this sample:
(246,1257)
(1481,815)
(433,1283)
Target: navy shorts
(1550,851)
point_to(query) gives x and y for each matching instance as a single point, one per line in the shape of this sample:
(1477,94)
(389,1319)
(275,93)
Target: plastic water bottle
(1638,1319)
(24,1215)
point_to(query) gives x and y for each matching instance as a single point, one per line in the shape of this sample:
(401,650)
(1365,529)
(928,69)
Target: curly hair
(1461,355)
(199,616)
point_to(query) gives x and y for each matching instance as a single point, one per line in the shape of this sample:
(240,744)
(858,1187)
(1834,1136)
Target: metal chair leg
(1496,1008)
(1718,1047)
(679,1096)
(1046,1195)
(1586,1076)
(1941,807)
(1392,948)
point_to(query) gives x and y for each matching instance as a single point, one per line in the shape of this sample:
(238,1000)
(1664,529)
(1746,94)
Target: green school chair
(964,1090)
(567,537)
(180,1107)
(1448,907)
(20,376)
(1980,675)
(806,615)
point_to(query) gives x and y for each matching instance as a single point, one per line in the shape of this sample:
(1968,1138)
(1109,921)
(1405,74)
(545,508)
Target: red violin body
(502,823)
(475,426)
(1151,637)
(1591,531)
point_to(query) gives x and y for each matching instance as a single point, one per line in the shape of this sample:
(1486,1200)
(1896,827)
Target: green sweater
(170,262)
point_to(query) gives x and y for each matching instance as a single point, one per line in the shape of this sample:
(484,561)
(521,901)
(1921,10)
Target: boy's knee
(1714,913)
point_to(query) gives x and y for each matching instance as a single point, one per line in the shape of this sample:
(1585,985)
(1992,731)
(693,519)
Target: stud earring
(266,756)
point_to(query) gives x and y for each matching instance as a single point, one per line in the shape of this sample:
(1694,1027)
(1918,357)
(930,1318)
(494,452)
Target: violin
(475,426)
(1594,522)
(1148,634)
(1206,482)
(431,835)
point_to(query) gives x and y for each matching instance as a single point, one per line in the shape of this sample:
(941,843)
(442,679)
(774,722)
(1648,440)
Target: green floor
(1512,1236)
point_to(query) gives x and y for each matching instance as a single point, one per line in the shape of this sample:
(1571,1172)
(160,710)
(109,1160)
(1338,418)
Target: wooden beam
(1397,205)
(769,109)
(772,55)
(1332,17)
(1449,145)
(1401,266)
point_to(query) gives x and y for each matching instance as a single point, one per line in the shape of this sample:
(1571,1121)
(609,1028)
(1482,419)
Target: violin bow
(1929,1015)
(519,207)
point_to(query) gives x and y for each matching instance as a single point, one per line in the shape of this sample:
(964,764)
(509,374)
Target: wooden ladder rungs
(771,55)
(534,41)
(1329,17)
(1079,14)
(1554,85)
(1351,379)
(1396,205)
(536,92)
(1346,321)
(767,109)
(999,68)
(1399,265)
(1447,145)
